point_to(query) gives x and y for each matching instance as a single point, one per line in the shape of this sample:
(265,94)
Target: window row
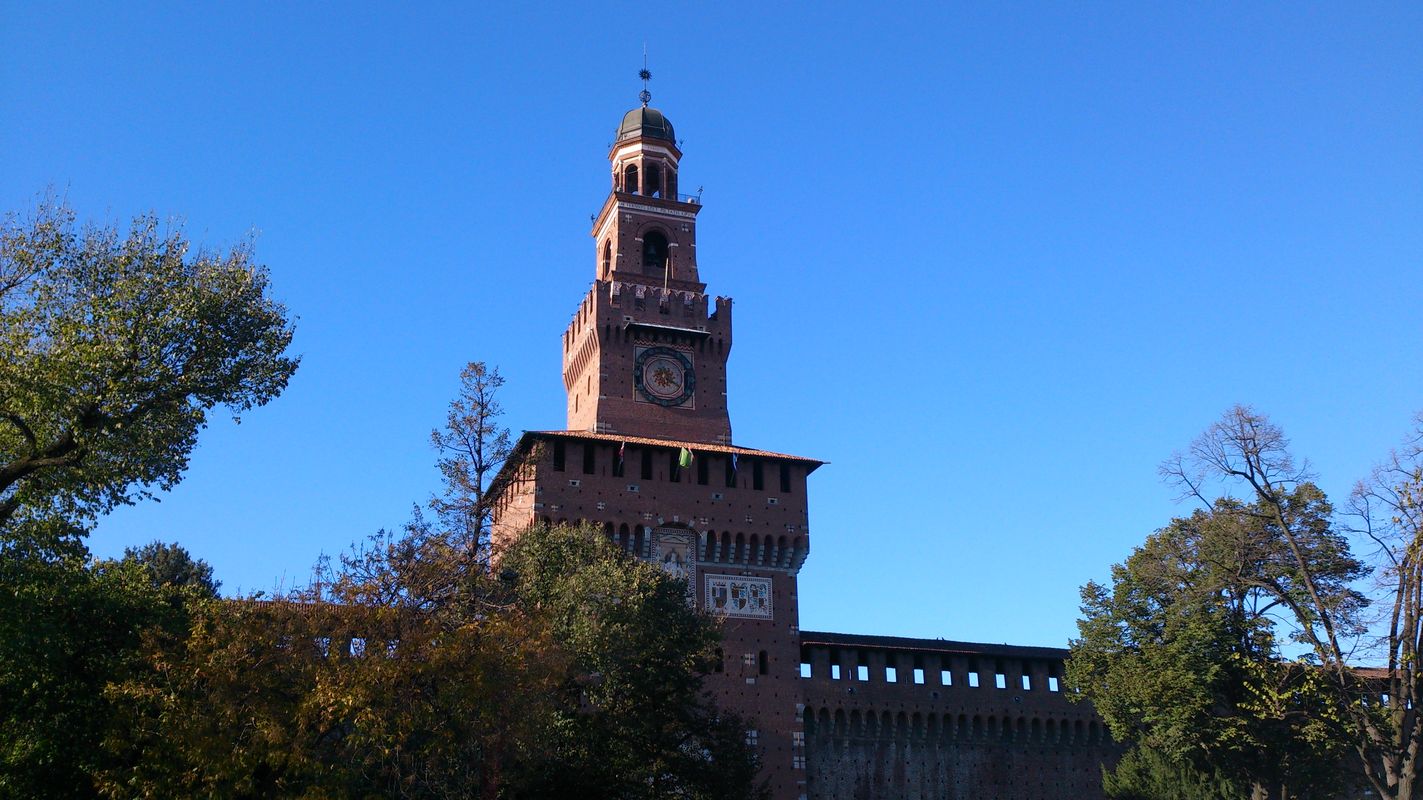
(921,669)
(659,463)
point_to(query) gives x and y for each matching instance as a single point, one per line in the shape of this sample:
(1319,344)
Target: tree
(633,722)
(116,348)
(409,669)
(1387,508)
(1144,774)
(173,565)
(472,447)
(68,629)
(1180,658)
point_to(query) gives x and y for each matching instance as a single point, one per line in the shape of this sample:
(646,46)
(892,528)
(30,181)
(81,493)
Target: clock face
(664,376)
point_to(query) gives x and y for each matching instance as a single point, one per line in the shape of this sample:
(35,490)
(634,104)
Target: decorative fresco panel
(739,596)
(675,551)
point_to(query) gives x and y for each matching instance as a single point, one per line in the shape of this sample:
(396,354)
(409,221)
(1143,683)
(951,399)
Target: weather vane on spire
(646,76)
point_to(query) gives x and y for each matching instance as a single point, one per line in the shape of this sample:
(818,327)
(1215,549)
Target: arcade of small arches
(772,552)
(959,728)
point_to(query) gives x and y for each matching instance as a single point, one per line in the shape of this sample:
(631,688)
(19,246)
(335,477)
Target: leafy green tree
(1180,658)
(67,630)
(633,721)
(1144,774)
(116,348)
(172,565)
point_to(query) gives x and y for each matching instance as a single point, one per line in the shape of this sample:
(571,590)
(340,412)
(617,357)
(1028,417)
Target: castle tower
(646,353)
(647,453)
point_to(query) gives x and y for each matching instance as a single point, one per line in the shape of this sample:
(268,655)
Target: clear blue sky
(993,262)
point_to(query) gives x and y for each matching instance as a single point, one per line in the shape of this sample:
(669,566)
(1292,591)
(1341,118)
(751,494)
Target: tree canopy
(116,347)
(1236,641)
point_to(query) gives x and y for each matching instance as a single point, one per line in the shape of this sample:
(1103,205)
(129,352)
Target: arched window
(654,181)
(607,257)
(630,179)
(654,253)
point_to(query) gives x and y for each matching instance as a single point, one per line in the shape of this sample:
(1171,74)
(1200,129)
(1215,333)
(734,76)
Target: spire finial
(646,76)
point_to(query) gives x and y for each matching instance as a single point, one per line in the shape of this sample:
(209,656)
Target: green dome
(647,122)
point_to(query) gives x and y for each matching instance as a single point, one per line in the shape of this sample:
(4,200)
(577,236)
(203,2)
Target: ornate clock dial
(664,376)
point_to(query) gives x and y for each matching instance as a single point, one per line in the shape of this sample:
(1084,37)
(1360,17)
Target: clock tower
(647,454)
(646,353)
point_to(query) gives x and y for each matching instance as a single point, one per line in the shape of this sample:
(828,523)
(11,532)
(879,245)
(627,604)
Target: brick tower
(644,366)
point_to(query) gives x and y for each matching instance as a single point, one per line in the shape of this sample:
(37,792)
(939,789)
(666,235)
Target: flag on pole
(622,450)
(684,460)
(733,462)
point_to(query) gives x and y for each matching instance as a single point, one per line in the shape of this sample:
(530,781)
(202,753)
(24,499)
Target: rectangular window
(751,737)
(862,673)
(797,738)
(559,455)
(834,672)
(1000,680)
(798,762)
(758,476)
(918,675)
(891,675)
(973,680)
(946,678)
(1052,684)
(647,465)
(590,458)
(1027,684)
(702,470)
(804,670)
(785,479)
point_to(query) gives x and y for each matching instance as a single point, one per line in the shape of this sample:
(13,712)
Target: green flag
(685,459)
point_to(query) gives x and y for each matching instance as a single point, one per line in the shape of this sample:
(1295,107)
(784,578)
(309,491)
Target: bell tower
(645,355)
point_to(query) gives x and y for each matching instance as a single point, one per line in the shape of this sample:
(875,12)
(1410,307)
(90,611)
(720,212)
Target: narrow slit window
(758,476)
(785,479)
(763,663)
(702,471)
(560,456)
(647,465)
